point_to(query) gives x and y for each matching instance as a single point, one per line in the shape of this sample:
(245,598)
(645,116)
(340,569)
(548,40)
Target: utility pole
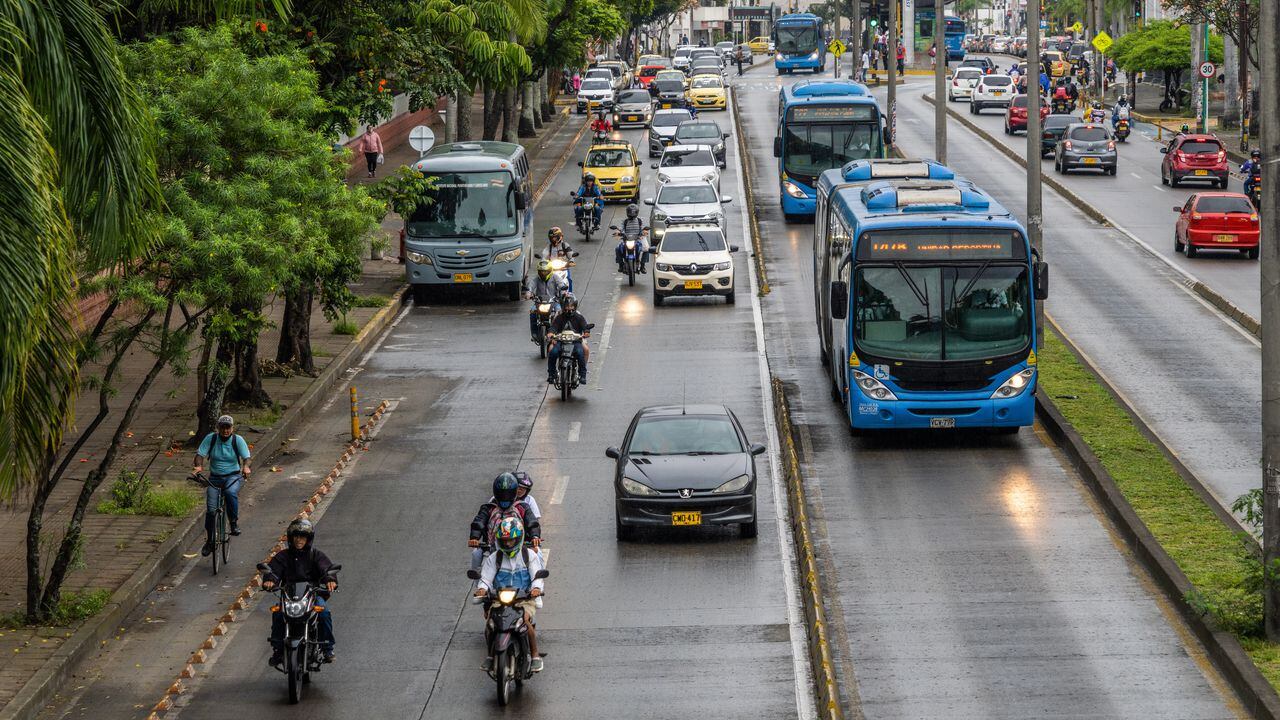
(855,36)
(836,36)
(892,62)
(940,81)
(1035,215)
(1204,82)
(1269,54)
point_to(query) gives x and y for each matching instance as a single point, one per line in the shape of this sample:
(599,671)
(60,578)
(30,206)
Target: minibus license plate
(942,422)
(692,284)
(692,517)
(462,277)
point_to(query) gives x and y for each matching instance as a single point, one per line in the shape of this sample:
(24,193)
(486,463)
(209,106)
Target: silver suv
(683,202)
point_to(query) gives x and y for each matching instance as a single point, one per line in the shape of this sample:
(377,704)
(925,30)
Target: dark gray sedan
(685,466)
(1086,145)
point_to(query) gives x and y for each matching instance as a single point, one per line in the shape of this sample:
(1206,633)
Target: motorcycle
(631,254)
(303,651)
(507,637)
(1122,129)
(567,367)
(543,308)
(1255,191)
(1060,107)
(560,267)
(584,215)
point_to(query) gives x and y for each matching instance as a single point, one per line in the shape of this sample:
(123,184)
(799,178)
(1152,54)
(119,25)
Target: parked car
(684,202)
(1015,118)
(1086,145)
(991,91)
(1194,157)
(1217,221)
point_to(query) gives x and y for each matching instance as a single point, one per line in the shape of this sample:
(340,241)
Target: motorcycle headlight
(419,258)
(558,264)
(663,177)
(506,596)
(295,608)
(635,488)
(792,189)
(872,387)
(544,307)
(722,266)
(1014,386)
(659,215)
(631,244)
(735,485)
(508,255)
(663,267)
(626,179)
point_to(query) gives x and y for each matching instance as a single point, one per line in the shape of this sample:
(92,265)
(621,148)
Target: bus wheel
(513,291)
(420,294)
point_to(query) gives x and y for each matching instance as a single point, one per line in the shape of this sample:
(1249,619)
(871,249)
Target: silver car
(662,128)
(688,162)
(632,108)
(683,202)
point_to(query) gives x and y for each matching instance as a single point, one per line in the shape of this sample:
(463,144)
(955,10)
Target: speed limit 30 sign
(1207,69)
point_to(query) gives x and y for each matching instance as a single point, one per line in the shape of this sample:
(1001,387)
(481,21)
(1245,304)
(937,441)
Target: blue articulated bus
(797,40)
(822,124)
(931,307)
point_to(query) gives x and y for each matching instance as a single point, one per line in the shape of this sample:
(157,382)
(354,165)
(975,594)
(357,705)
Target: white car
(684,202)
(963,80)
(991,91)
(680,60)
(725,48)
(693,260)
(688,162)
(1000,45)
(595,94)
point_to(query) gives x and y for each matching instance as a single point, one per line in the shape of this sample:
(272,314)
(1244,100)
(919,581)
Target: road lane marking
(557,493)
(602,348)
(799,636)
(575,431)
(1158,188)
(1136,175)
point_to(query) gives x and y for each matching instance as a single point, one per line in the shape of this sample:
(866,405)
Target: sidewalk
(122,550)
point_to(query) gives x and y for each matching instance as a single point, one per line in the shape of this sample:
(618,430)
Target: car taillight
(1253,217)
(1111,144)
(1222,155)
(1066,144)
(1197,216)
(1182,157)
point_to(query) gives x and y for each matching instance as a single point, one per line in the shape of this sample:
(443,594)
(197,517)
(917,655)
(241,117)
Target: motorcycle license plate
(1202,172)
(692,517)
(462,277)
(692,284)
(941,422)
(1091,161)
(1224,238)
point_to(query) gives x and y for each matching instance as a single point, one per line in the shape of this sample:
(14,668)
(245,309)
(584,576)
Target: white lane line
(602,348)
(575,431)
(557,493)
(1136,175)
(799,638)
(1159,188)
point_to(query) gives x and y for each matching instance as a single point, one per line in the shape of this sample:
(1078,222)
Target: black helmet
(1256,154)
(504,490)
(568,301)
(524,480)
(301,527)
(588,177)
(633,210)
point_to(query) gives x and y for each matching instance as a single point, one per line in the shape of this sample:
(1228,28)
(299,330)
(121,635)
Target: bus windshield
(811,149)
(796,39)
(467,204)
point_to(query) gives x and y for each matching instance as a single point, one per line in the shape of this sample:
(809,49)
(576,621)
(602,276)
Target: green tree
(1161,46)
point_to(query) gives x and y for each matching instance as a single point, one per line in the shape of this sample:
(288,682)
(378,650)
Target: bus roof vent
(890,196)
(894,168)
(827,88)
(466,147)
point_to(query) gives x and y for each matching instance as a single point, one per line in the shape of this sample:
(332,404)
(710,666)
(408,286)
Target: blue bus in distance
(954,37)
(822,124)
(931,307)
(798,44)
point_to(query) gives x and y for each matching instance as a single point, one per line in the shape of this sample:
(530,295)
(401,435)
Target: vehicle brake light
(1222,155)
(1111,144)
(1253,217)
(1197,216)
(1066,144)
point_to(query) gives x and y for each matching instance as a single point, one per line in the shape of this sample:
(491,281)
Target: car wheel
(1164,179)
(1177,244)
(1007,130)
(657,298)
(750,529)
(731,298)
(1252,253)
(1173,180)
(1190,249)
(622,532)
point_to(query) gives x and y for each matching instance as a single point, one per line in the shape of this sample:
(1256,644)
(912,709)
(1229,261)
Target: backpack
(497,514)
(235,447)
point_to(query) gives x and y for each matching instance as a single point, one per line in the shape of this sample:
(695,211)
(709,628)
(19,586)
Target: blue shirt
(224,455)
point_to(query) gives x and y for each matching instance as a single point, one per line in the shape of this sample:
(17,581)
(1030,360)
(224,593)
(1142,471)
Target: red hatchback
(647,73)
(1217,221)
(1015,118)
(1194,157)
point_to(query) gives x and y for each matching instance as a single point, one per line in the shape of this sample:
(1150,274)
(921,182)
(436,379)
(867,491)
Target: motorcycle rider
(569,318)
(1097,113)
(515,567)
(505,502)
(300,561)
(587,191)
(545,284)
(1060,97)
(632,227)
(1120,111)
(1254,164)
(601,123)
(558,249)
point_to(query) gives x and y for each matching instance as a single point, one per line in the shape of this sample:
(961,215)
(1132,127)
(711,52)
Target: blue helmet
(504,490)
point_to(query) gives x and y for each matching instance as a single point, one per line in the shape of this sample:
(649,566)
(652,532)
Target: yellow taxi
(759,45)
(707,92)
(616,167)
(1058,65)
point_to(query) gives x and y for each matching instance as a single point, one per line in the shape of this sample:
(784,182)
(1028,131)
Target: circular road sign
(1207,69)
(421,138)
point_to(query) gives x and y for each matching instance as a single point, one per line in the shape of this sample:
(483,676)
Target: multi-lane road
(967,575)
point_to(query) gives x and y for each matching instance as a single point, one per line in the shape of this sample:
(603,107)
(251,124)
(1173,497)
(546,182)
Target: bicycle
(221,538)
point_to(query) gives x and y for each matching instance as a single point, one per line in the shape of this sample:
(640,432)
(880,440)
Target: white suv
(688,162)
(963,81)
(693,260)
(991,91)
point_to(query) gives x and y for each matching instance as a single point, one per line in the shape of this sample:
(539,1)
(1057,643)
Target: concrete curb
(1225,652)
(750,198)
(826,684)
(1228,308)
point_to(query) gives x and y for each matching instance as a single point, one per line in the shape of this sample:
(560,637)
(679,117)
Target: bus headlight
(1014,386)
(779,56)
(508,255)
(813,55)
(792,189)
(872,387)
(419,258)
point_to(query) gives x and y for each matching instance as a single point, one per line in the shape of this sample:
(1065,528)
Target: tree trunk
(492,112)
(245,386)
(463,100)
(535,100)
(295,330)
(35,521)
(451,120)
(1231,89)
(510,121)
(544,97)
(215,392)
(525,126)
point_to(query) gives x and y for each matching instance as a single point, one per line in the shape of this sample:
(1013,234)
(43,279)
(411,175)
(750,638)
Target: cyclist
(228,456)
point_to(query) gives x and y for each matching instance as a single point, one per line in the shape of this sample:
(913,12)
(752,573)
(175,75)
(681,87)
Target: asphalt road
(969,575)
(1193,375)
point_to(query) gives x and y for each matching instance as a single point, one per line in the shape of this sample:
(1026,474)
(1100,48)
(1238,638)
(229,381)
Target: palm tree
(77,178)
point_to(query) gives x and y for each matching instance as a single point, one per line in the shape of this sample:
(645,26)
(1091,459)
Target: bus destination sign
(940,246)
(833,113)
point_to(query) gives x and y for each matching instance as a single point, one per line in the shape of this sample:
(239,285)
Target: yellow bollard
(355,415)
(1159,132)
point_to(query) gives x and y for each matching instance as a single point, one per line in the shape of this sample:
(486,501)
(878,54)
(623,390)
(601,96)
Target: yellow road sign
(836,47)
(1102,41)
(1077,28)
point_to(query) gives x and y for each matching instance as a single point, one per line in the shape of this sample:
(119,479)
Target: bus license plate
(692,284)
(1091,161)
(692,517)
(942,422)
(1224,238)
(462,277)
(1202,172)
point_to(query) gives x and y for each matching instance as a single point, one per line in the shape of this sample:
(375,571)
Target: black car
(703,132)
(685,466)
(1051,129)
(667,94)
(984,64)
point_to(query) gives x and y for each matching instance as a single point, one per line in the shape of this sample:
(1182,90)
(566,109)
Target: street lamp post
(1035,215)
(1269,55)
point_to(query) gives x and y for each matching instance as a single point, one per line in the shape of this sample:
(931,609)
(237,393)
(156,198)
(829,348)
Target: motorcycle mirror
(590,325)
(575,253)
(541,574)
(473,574)
(612,452)
(733,248)
(613,227)
(1177,209)
(538,255)
(1164,151)
(725,135)
(264,567)
(580,164)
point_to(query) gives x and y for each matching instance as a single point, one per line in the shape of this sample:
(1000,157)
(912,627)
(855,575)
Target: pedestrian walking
(866,66)
(902,57)
(371,145)
(577,81)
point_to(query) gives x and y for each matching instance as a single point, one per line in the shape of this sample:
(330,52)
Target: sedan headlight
(419,258)
(659,215)
(663,177)
(635,488)
(508,255)
(1014,386)
(722,266)
(872,387)
(735,485)
(626,179)
(663,267)
(792,189)
(506,596)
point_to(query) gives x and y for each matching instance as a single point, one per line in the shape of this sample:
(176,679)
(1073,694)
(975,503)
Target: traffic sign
(1102,41)
(1207,69)
(836,47)
(1077,28)
(421,138)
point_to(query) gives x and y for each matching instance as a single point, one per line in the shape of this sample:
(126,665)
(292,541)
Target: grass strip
(1215,558)
(72,608)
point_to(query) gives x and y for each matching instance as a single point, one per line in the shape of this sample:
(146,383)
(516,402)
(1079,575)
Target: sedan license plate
(1224,238)
(633,118)
(942,422)
(692,284)
(692,517)
(462,277)
(1202,172)
(1091,161)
